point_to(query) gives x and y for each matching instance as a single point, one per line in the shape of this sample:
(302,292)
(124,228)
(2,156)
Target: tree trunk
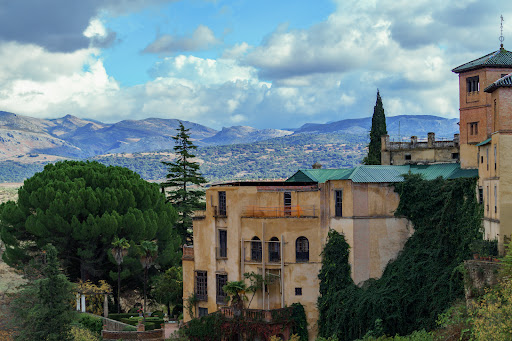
(118,288)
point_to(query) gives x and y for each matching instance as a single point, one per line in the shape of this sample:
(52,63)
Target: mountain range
(73,137)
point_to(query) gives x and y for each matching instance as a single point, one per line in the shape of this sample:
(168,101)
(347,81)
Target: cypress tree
(378,129)
(182,174)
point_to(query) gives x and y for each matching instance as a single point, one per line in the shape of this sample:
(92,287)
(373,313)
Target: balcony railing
(188,252)
(221,252)
(201,214)
(220,211)
(280,211)
(258,315)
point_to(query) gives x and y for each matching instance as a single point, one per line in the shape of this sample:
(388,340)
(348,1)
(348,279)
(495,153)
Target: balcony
(220,211)
(258,315)
(188,252)
(221,252)
(199,215)
(307,211)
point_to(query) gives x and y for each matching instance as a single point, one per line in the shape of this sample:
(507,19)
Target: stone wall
(479,275)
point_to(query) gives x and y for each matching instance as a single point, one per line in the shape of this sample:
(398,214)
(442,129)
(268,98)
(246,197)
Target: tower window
(302,250)
(480,195)
(287,203)
(408,157)
(473,128)
(298,291)
(338,203)
(256,249)
(201,286)
(472,84)
(222,203)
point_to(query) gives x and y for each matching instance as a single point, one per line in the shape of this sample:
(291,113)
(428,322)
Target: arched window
(302,249)
(256,249)
(274,250)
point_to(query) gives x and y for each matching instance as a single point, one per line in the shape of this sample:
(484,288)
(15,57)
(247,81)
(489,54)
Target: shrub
(91,323)
(83,334)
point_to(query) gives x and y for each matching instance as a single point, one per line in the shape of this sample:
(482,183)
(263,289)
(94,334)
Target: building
(278,230)
(486,137)
(419,152)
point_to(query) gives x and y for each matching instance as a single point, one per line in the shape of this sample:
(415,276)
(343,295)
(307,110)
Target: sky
(266,63)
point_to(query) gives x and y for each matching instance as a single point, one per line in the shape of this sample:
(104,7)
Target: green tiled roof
(502,82)
(500,58)
(375,174)
(484,142)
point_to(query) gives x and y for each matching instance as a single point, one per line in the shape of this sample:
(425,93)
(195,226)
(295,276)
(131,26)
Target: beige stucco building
(278,230)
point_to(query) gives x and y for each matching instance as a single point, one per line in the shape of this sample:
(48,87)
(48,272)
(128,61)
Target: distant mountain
(73,137)
(244,134)
(402,125)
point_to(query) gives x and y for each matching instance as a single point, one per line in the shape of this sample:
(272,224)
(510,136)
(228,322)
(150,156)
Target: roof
(497,59)
(376,174)
(484,142)
(502,82)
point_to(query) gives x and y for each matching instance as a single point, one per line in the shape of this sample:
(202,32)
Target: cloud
(58,25)
(202,39)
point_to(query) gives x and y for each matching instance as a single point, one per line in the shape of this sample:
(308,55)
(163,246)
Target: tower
(476,106)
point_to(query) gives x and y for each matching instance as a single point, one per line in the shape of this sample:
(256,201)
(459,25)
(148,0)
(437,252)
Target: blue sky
(266,64)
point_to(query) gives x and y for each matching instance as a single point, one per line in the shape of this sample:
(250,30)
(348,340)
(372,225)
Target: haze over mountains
(73,137)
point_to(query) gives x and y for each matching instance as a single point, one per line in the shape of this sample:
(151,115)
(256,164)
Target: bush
(83,334)
(91,323)
(118,317)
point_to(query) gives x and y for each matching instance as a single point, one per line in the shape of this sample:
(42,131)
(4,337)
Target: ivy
(421,282)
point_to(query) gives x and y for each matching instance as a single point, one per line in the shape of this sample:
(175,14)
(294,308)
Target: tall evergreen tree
(378,129)
(182,174)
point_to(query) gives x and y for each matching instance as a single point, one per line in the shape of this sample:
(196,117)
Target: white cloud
(95,29)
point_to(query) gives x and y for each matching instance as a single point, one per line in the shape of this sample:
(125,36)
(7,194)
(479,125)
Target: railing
(220,211)
(188,252)
(279,211)
(221,252)
(257,315)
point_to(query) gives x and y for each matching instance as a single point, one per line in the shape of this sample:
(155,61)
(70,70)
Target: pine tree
(182,173)
(378,129)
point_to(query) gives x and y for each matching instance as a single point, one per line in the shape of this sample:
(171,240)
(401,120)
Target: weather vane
(501,27)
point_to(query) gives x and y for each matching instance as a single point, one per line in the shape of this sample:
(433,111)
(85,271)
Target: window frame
(274,250)
(222,203)
(201,285)
(223,243)
(302,250)
(220,281)
(256,249)
(338,203)
(287,200)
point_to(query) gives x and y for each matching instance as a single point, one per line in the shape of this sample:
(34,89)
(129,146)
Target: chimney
(414,140)
(316,165)
(384,142)
(456,139)
(431,140)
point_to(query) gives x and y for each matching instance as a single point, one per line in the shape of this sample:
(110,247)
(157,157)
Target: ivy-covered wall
(421,282)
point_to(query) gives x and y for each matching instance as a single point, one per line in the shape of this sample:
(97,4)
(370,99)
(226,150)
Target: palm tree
(236,291)
(148,252)
(119,251)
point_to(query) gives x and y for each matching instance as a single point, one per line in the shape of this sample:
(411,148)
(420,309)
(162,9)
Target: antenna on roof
(501,28)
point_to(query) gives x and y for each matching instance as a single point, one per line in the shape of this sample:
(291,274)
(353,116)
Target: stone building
(419,152)
(278,230)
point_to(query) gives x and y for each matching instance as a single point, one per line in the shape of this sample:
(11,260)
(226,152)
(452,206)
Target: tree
(182,174)
(119,251)
(43,307)
(80,207)
(168,288)
(378,129)
(148,251)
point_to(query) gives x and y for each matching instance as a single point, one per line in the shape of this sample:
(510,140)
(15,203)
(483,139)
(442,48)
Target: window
(495,156)
(472,84)
(203,312)
(487,206)
(274,252)
(487,154)
(407,157)
(455,156)
(298,291)
(222,203)
(338,203)
(481,159)
(222,280)
(223,244)
(256,249)
(473,128)
(495,199)
(287,203)
(302,250)
(480,195)
(201,286)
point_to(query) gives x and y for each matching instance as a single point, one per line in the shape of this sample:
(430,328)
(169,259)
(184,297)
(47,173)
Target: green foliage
(80,207)
(181,175)
(79,333)
(421,282)
(420,335)
(236,291)
(42,308)
(91,323)
(299,322)
(190,304)
(207,328)
(168,288)
(378,129)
